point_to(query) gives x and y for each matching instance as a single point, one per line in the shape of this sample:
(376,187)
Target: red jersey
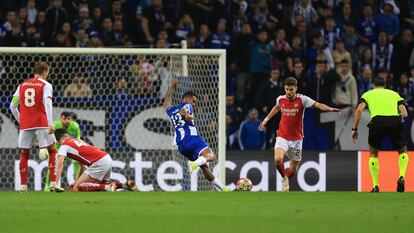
(81,151)
(291,122)
(32,94)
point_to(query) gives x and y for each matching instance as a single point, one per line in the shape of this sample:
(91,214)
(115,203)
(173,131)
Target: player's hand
(262,125)
(189,117)
(335,110)
(174,83)
(354,135)
(51,129)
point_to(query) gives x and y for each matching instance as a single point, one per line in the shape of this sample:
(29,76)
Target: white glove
(43,154)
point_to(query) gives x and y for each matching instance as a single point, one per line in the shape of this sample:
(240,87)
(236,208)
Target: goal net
(116,96)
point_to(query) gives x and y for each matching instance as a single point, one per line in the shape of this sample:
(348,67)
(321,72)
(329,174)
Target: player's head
(41,69)
(190,97)
(291,86)
(65,118)
(61,135)
(378,82)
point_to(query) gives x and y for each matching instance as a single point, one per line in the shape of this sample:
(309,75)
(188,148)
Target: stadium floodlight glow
(110,121)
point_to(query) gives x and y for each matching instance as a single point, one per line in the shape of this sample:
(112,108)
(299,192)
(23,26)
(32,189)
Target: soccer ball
(244,184)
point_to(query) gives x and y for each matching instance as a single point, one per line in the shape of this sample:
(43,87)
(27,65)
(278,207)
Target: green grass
(206,212)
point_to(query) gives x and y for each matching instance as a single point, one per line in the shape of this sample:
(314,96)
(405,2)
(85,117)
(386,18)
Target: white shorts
(293,149)
(27,137)
(101,169)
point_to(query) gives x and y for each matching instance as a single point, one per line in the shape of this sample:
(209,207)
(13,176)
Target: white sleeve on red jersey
(277,100)
(14,104)
(65,149)
(47,100)
(307,101)
(17,92)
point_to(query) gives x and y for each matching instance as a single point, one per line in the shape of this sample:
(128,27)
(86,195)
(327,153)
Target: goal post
(131,127)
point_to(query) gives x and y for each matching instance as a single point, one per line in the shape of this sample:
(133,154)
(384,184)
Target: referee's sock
(402,163)
(373,169)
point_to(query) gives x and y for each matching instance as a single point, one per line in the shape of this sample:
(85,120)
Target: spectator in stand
(407,14)
(296,54)
(155,18)
(107,33)
(389,21)
(300,75)
(405,88)
(203,40)
(282,49)
(118,33)
(320,47)
(250,138)
(41,24)
(368,27)
(350,40)
(94,40)
(239,19)
(340,54)
(7,25)
(29,37)
(69,37)
(320,85)
(81,38)
(365,61)
(265,100)
(78,88)
(185,27)
(55,15)
(304,8)
(261,52)
(346,17)
(13,38)
(121,89)
(97,18)
(220,39)
(84,21)
(345,93)
(22,18)
(402,53)
(231,133)
(365,81)
(382,53)
(389,78)
(241,57)
(233,110)
(302,31)
(31,11)
(331,33)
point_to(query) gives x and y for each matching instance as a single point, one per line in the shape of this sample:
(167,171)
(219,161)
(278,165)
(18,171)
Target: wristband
(354,129)
(266,119)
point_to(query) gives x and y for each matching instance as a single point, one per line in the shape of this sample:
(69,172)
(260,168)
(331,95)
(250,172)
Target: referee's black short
(386,126)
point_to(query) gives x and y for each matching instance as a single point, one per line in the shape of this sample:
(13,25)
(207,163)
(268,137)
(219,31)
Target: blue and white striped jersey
(182,127)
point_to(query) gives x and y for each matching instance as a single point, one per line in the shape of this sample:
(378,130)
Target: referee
(385,107)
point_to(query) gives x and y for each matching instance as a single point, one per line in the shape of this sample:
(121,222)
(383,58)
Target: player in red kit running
(96,176)
(35,118)
(290,134)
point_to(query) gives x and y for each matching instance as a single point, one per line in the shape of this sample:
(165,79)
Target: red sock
(91,187)
(52,164)
(24,167)
(281,169)
(290,173)
(119,185)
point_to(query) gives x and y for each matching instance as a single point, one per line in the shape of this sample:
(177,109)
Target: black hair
(378,82)
(189,94)
(291,82)
(59,133)
(344,61)
(66,114)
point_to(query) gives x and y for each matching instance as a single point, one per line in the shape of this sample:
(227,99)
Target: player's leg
(375,138)
(397,139)
(295,156)
(198,152)
(281,147)
(26,139)
(210,177)
(93,179)
(47,140)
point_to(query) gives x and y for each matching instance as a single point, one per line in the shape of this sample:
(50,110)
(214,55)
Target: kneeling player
(96,176)
(190,143)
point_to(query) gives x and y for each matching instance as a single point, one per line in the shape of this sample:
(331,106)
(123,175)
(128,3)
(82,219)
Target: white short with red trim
(27,137)
(101,169)
(293,149)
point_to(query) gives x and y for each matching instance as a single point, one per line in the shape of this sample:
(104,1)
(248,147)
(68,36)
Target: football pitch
(206,212)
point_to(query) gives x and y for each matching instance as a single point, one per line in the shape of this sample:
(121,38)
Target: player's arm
(269,116)
(170,92)
(403,110)
(357,118)
(77,129)
(62,153)
(325,108)
(14,105)
(47,100)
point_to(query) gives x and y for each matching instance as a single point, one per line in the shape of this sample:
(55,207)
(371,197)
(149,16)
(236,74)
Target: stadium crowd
(332,47)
